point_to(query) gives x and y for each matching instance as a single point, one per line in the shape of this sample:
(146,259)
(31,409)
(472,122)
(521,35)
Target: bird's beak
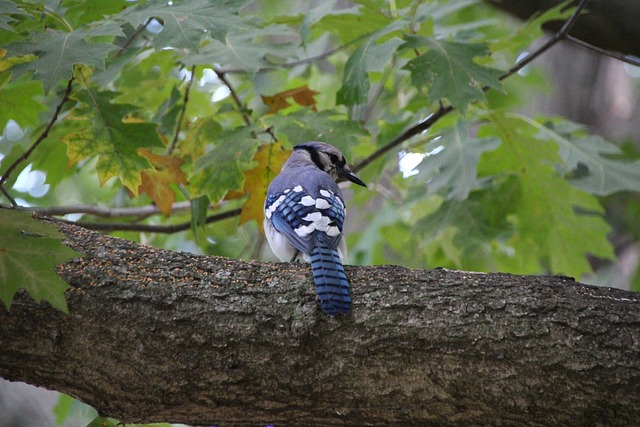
(347,174)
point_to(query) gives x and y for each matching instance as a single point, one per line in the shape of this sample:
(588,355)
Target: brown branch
(8,196)
(156,335)
(292,64)
(562,34)
(616,55)
(150,228)
(142,211)
(183,111)
(223,78)
(41,138)
(135,34)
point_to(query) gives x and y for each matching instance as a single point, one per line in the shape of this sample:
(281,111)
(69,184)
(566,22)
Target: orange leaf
(157,183)
(304,96)
(301,95)
(270,158)
(275,103)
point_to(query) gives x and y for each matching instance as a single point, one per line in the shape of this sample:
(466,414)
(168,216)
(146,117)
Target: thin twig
(407,134)
(149,228)
(561,34)
(42,136)
(104,212)
(292,64)
(183,110)
(376,95)
(223,78)
(8,196)
(135,34)
(616,55)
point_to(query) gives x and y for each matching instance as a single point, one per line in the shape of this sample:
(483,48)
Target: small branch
(561,34)
(223,78)
(100,211)
(182,111)
(292,64)
(133,36)
(149,228)
(41,138)
(409,133)
(616,55)
(376,95)
(8,196)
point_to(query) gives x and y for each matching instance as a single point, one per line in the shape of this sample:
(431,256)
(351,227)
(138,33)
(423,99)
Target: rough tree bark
(155,335)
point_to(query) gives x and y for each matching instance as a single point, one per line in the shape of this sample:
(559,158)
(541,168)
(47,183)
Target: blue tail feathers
(331,282)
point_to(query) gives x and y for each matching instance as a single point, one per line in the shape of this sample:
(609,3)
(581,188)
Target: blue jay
(304,213)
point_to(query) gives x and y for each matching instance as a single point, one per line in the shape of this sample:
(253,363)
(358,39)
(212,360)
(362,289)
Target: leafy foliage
(29,251)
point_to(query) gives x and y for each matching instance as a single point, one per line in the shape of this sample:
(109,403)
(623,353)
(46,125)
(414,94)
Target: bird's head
(328,158)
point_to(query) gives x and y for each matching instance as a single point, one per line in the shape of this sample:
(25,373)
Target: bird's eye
(334,158)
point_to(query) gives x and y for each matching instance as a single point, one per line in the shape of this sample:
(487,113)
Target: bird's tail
(331,282)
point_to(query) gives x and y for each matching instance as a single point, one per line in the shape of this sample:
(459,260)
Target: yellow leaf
(270,158)
(301,95)
(157,183)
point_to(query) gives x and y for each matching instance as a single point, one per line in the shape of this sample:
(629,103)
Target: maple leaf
(58,51)
(270,158)
(222,169)
(301,95)
(157,182)
(104,129)
(448,70)
(186,24)
(29,251)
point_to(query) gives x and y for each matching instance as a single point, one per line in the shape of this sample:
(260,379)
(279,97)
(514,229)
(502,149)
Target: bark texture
(155,335)
(608,24)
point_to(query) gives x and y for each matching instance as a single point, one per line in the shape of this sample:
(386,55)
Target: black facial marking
(315,156)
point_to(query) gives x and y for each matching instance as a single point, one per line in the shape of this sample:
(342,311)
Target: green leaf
(249,49)
(558,225)
(453,165)
(104,130)
(369,56)
(69,408)
(199,208)
(58,51)
(328,126)
(29,251)
(186,24)
(8,8)
(448,71)
(222,169)
(21,101)
(470,233)
(605,172)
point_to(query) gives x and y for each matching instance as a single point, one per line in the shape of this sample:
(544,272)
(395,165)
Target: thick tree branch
(155,335)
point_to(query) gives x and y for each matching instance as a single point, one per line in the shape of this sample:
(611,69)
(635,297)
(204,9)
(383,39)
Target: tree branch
(151,228)
(41,138)
(155,335)
(183,110)
(101,211)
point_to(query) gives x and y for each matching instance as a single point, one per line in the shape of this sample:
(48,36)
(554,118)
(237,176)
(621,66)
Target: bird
(304,213)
